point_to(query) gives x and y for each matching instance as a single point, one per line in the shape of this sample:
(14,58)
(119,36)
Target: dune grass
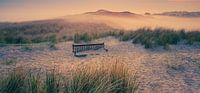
(52,83)
(82,38)
(150,38)
(157,37)
(8,61)
(115,78)
(13,83)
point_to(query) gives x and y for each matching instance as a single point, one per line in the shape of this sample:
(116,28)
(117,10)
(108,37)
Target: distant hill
(95,22)
(180,14)
(111,13)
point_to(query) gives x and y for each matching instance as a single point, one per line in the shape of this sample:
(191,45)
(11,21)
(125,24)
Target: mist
(131,23)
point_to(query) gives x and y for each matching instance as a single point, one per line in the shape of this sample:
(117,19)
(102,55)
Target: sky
(24,10)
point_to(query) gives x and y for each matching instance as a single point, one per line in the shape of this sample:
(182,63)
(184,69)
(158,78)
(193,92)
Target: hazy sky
(20,10)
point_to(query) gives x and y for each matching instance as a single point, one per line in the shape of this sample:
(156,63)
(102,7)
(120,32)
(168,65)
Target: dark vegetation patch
(43,31)
(8,61)
(176,67)
(26,48)
(29,33)
(197,64)
(150,38)
(59,32)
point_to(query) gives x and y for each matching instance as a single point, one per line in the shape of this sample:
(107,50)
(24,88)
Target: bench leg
(74,53)
(105,49)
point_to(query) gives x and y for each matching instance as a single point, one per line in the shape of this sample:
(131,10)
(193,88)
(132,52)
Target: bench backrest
(85,47)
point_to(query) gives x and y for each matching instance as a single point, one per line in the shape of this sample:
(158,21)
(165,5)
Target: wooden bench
(85,47)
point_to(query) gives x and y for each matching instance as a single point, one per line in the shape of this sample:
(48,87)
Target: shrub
(126,36)
(2,40)
(148,44)
(113,79)
(150,38)
(52,83)
(193,36)
(76,38)
(51,38)
(14,82)
(167,47)
(9,61)
(85,37)
(176,67)
(65,38)
(33,84)
(157,37)
(37,40)
(52,46)
(82,38)
(182,34)
(15,40)
(26,48)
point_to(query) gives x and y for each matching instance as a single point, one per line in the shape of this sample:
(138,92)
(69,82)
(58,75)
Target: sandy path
(152,66)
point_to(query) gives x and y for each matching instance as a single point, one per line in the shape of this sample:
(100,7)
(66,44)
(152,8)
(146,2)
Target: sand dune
(154,67)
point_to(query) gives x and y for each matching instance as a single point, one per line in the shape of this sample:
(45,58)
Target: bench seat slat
(85,47)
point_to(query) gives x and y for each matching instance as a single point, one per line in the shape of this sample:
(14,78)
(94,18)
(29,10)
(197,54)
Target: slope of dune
(44,28)
(128,20)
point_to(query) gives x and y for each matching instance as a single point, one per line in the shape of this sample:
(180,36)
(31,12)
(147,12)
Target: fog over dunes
(106,20)
(180,14)
(128,20)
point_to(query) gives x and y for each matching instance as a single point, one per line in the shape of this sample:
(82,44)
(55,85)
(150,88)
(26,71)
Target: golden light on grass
(90,78)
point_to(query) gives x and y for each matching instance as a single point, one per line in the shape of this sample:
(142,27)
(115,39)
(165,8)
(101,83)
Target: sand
(154,67)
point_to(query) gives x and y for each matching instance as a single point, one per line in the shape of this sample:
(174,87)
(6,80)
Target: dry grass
(112,78)
(102,79)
